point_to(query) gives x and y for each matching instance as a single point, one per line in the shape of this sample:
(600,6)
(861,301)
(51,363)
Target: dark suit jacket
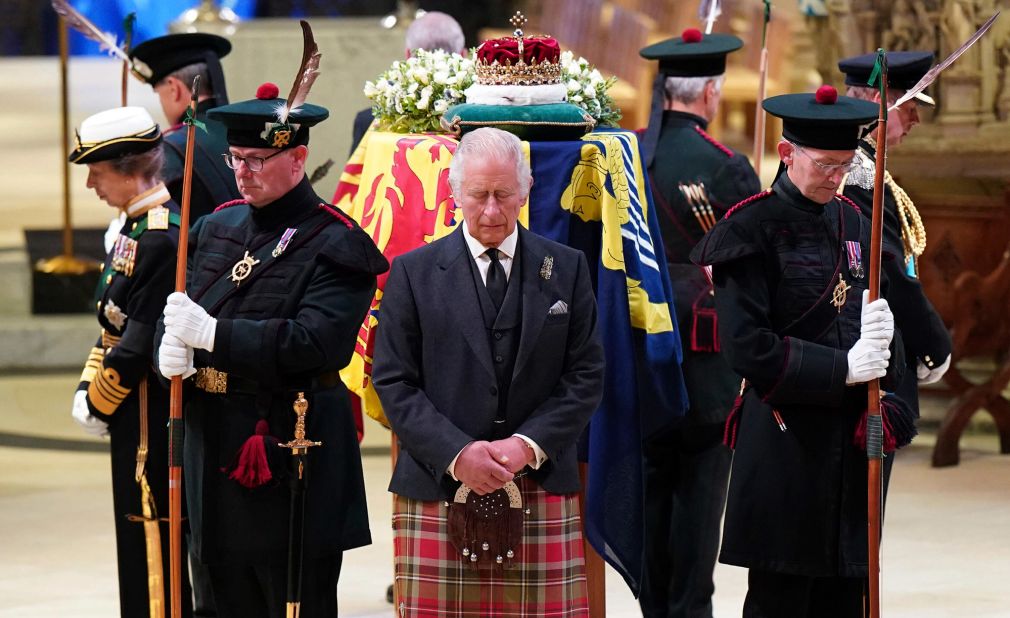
(433,370)
(362,121)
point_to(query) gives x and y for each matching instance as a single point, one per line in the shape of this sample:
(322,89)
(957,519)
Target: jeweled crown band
(518,74)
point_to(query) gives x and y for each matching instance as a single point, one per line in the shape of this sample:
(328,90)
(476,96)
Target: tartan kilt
(433,579)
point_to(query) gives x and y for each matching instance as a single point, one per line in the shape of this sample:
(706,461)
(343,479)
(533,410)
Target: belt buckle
(211,380)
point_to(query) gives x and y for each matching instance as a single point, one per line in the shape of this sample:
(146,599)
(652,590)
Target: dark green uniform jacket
(922,330)
(686,154)
(288,327)
(213,181)
(797,498)
(130,298)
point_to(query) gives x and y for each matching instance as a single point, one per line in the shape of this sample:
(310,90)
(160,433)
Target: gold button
(108,280)
(133,227)
(98,305)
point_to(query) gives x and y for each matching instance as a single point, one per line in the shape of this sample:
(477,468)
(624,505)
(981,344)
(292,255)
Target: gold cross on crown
(518,21)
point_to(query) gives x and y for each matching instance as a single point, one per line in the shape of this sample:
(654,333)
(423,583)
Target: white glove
(93,425)
(930,376)
(876,320)
(112,233)
(175,358)
(867,360)
(189,322)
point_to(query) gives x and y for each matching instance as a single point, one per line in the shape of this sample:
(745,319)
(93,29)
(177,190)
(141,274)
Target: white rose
(441,76)
(589,91)
(412,88)
(576,99)
(422,103)
(574,85)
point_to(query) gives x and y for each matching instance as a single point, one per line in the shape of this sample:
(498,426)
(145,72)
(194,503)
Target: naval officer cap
(115,133)
(904,70)
(256,123)
(692,54)
(823,119)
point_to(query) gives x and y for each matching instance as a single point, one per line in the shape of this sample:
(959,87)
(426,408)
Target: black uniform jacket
(922,329)
(213,181)
(288,327)
(137,276)
(797,498)
(687,155)
(434,371)
(139,273)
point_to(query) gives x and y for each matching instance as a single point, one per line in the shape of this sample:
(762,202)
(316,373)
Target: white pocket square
(558,308)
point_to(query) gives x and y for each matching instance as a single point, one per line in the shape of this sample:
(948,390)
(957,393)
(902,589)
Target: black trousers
(261,591)
(776,595)
(686,478)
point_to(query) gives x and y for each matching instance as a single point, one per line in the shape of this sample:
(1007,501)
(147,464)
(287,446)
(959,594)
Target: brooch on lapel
(840,293)
(547,267)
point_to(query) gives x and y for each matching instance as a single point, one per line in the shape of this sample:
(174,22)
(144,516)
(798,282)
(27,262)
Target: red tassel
(890,444)
(733,419)
(253,469)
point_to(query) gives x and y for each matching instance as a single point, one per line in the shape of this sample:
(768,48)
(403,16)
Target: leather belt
(218,382)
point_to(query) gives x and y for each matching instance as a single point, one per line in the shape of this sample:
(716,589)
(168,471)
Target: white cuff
(541,456)
(451,470)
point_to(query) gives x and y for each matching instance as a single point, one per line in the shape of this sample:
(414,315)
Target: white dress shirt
(506,255)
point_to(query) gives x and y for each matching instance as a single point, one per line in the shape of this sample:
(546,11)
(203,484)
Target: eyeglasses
(253,164)
(829,169)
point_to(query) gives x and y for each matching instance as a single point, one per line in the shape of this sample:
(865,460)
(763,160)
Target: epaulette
(336,214)
(711,140)
(749,200)
(230,204)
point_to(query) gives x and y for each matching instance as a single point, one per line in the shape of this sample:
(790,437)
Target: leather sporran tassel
(487,530)
(252,466)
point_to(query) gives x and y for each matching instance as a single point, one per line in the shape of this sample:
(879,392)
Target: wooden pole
(874,424)
(175,409)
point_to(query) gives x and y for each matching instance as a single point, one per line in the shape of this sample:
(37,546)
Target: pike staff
(759,112)
(874,422)
(175,427)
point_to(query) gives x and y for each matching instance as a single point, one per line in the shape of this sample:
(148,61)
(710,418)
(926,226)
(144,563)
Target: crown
(519,60)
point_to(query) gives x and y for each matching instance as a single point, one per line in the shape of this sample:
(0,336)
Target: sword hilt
(299,445)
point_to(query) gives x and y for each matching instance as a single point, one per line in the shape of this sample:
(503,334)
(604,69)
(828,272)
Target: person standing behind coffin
(169,64)
(488,366)
(695,180)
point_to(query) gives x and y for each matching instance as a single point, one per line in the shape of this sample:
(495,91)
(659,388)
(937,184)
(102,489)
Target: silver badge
(115,315)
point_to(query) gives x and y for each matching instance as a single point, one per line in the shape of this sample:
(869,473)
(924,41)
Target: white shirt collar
(507,246)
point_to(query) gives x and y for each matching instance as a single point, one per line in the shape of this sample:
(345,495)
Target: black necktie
(495,279)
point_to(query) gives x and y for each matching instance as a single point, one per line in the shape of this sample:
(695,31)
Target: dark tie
(495,279)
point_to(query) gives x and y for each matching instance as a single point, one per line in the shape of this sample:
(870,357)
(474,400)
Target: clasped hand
(485,467)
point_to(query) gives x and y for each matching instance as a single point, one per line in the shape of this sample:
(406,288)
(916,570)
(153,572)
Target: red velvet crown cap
(536,49)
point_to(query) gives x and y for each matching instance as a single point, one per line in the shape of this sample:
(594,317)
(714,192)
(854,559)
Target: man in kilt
(488,366)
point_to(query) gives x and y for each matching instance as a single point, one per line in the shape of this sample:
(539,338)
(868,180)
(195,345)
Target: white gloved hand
(175,358)
(189,322)
(867,360)
(112,233)
(930,376)
(876,320)
(91,424)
